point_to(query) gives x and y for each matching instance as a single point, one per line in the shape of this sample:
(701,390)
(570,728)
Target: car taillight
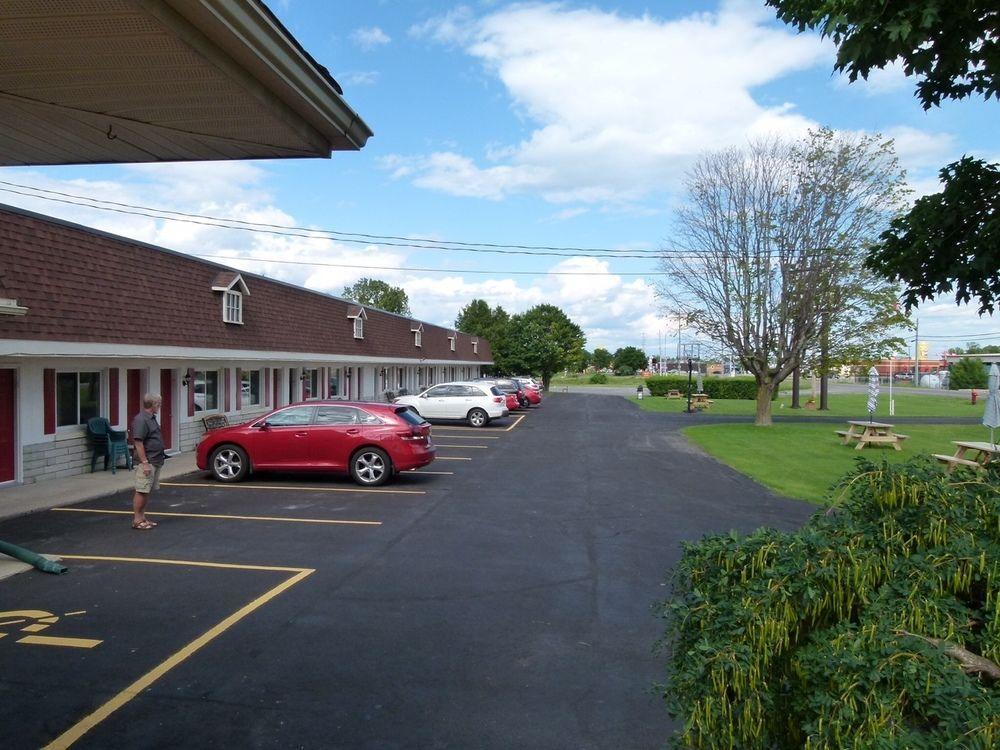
(412,435)
(498,400)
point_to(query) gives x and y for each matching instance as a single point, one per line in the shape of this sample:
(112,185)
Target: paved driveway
(505,604)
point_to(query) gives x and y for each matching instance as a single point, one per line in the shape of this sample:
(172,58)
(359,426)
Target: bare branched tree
(767,238)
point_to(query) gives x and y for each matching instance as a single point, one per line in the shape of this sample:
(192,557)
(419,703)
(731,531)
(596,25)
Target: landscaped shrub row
(599,378)
(744,388)
(875,627)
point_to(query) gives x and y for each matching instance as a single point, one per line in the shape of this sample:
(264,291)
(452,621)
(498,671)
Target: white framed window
(475,346)
(78,397)
(334,382)
(206,386)
(250,392)
(359,327)
(418,336)
(232,307)
(451,339)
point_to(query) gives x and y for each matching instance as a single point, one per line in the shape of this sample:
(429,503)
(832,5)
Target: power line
(424,270)
(295,231)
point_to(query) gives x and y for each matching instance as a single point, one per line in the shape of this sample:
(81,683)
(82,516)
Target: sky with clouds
(547,124)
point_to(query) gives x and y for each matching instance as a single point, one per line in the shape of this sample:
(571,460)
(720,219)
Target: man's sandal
(142,525)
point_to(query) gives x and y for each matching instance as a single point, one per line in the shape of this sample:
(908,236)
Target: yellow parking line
(227,517)
(48,640)
(517,421)
(451,458)
(222,486)
(477,447)
(74,733)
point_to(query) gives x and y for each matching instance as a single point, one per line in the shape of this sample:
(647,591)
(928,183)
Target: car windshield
(408,415)
(495,391)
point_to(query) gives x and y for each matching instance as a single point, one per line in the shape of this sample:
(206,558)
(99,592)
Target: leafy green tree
(379,294)
(630,359)
(950,240)
(544,340)
(968,372)
(493,325)
(602,358)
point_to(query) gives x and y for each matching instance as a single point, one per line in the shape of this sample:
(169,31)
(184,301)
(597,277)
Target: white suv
(477,403)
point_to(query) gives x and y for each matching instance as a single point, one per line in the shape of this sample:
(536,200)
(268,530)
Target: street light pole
(689,386)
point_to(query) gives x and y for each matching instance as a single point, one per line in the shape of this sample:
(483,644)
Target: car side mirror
(423,395)
(265,425)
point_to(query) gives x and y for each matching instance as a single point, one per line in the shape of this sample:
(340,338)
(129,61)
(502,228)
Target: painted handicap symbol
(36,620)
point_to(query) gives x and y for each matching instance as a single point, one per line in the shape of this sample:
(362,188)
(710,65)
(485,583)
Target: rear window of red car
(408,415)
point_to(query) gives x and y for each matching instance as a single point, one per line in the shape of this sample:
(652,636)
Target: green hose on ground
(42,563)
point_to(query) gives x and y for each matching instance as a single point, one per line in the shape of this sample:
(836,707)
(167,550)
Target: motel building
(90,321)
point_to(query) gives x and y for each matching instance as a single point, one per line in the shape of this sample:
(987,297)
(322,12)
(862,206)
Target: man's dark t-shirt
(147,429)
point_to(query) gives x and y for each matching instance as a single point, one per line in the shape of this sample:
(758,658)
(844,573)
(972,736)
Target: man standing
(149,456)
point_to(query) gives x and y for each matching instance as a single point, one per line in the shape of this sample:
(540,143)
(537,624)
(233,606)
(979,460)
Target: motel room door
(8,426)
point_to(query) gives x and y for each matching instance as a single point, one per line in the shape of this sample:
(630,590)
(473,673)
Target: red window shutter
(239,389)
(225,387)
(190,388)
(113,397)
(267,386)
(49,397)
(274,391)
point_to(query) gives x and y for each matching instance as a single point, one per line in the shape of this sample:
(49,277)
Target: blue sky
(562,124)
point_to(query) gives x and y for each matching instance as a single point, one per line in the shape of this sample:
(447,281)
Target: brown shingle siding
(87,286)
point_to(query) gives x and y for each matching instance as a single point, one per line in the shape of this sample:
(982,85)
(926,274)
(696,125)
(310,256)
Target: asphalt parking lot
(498,598)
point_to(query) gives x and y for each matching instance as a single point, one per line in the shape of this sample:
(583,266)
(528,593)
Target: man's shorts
(146,483)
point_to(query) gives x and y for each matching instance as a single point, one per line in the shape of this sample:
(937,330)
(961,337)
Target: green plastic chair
(109,443)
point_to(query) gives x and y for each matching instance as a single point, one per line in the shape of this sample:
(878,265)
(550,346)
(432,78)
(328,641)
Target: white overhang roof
(162,80)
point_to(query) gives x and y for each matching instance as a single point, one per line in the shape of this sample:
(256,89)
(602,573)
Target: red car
(512,403)
(371,442)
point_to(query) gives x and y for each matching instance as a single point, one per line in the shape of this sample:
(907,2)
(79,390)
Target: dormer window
(233,289)
(359,316)
(233,308)
(451,340)
(417,329)
(475,346)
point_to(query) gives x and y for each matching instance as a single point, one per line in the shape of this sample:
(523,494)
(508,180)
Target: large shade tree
(492,324)
(949,241)
(543,341)
(378,293)
(764,239)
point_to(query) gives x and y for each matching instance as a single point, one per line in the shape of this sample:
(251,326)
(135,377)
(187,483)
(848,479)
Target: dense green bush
(739,388)
(852,632)
(968,372)
(598,378)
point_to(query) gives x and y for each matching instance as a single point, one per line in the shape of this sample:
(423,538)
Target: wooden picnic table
(871,433)
(982,454)
(700,401)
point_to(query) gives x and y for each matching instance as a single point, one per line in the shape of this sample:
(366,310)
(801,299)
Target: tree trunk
(546,379)
(765,389)
(824,364)
(824,401)
(795,389)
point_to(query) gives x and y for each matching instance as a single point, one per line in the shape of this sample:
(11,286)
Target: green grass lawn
(804,461)
(847,405)
(617,381)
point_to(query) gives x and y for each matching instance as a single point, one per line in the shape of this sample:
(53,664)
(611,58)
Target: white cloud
(621,104)
(360,77)
(370,38)
(880,81)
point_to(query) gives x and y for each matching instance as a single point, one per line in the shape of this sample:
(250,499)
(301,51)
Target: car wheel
(229,463)
(370,467)
(478,418)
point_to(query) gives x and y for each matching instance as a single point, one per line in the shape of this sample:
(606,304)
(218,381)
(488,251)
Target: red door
(133,396)
(166,418)
(8,458)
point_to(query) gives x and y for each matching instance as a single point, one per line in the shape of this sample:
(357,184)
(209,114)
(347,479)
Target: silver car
(477,403)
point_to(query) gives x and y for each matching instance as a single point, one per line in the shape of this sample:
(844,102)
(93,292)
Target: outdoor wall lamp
(188,377)
(304,375)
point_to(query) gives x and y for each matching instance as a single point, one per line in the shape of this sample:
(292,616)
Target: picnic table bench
(673,394)
(982,453)
(871,433)
(700,401)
